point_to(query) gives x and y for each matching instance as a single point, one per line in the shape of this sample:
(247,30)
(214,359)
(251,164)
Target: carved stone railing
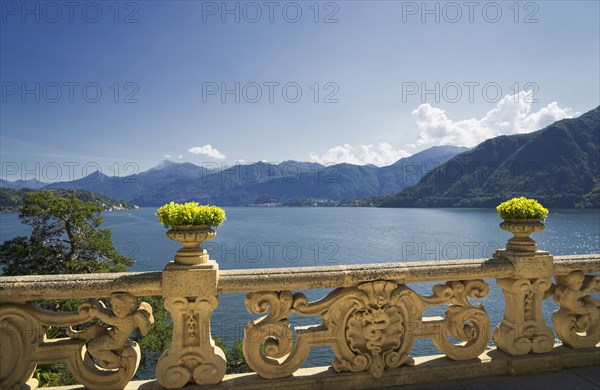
(370,320)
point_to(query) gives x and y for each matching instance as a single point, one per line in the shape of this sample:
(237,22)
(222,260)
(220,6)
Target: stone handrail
(33,287)
(370,320)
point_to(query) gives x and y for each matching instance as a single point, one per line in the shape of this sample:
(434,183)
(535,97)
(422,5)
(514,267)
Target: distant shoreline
(11,200)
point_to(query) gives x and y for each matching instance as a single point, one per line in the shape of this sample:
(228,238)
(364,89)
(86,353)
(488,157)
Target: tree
(66,239)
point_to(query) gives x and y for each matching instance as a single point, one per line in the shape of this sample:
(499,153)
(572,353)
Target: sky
(120,86)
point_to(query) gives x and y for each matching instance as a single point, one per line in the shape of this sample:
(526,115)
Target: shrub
(522,208)
(190,213)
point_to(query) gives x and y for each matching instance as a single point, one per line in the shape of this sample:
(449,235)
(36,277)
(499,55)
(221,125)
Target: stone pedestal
(190,293)
(522,329)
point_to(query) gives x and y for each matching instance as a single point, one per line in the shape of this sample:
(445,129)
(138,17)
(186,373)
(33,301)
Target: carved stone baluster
(190,293)
(22,330)
(522,329)
(577,323)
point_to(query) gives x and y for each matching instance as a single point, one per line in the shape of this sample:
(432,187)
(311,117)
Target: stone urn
(521,229)
(191,236)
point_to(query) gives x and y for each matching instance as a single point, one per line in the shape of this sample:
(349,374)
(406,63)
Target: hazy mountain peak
(95,176)
(21,183)
(164,164)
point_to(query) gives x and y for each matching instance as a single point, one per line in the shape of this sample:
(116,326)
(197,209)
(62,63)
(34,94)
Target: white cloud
(380,155)
(180,157)
(167,156)
(207,150)
(512,115)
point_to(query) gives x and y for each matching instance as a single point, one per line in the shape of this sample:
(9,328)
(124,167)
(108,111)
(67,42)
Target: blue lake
(300,237)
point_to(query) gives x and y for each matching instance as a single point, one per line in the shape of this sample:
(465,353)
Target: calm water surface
(300,237)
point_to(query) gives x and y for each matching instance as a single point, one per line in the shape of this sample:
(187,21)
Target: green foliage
(236,362)
(190,213)
(54,374)
(66,238)
(591,199)
(558,165)
(11,200)
(158,338)
(522,208)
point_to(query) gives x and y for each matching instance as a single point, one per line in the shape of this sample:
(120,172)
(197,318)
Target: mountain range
(558,165)
(243,184)
(18,184)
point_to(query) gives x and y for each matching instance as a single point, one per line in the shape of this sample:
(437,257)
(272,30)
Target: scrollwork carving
(118,357)
(374,326)
(20,334)
(463,321)
(577,323)
(369,327)
(268,341)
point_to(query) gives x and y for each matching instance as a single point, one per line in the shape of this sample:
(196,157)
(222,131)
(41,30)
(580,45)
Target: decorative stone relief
(463,321)
(190,293)
(23,328)
(577,323)
(20,335)
(369,327)
(107,341)
(192,355)
(268,341)
(522,329)
(374,326)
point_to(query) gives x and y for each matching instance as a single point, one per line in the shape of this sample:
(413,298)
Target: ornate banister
(34,287)
(370,320)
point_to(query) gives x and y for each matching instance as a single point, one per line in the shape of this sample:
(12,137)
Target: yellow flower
(522,208)
(190,213)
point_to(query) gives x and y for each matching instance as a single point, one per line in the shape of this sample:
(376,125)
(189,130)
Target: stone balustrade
(370,320)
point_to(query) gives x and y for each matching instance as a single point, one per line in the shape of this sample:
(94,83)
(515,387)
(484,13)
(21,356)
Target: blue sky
(360,66)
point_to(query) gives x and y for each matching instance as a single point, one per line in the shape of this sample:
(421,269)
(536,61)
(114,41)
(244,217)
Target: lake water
(300,237)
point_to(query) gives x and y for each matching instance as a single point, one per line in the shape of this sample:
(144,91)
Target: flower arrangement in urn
(191,224)
(522,217)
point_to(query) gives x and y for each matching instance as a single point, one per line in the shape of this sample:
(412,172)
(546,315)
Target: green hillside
(11,200)
(558,165)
